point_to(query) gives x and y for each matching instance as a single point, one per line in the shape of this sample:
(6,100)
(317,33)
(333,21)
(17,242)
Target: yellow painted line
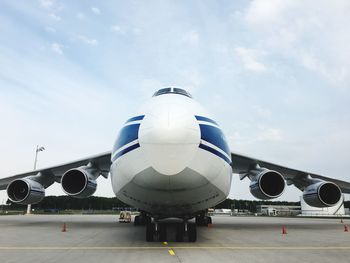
(171,252)
(177,247)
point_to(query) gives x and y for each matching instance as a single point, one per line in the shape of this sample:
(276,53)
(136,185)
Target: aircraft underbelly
(171,203)
(204,183)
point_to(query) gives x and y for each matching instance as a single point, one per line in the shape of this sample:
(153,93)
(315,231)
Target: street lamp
(38,149)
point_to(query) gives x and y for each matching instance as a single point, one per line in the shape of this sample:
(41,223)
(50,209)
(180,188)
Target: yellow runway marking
(171,252)
(175,247)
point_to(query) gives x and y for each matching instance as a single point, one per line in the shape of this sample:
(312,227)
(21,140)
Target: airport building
(278,210)
(337,210)
(304,210)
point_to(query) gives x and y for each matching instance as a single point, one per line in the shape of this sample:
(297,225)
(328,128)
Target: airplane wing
(48,176)
(242,165)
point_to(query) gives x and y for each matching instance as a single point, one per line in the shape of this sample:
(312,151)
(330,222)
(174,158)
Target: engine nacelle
(79,182)
(322,194)
(25,191)
(266,184)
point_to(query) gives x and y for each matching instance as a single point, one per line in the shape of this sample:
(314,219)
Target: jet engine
(25,191)
(322,194)
(266,184)
(79,182)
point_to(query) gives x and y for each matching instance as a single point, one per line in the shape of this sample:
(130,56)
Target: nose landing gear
(159,231)
(192,232)
(140,220)
(203,220)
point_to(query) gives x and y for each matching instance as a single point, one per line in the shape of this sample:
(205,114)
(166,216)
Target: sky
(275,74)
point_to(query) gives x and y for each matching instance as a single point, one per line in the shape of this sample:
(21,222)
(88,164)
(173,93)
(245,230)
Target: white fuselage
(170,159)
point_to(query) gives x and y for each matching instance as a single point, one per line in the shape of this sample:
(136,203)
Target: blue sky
(275,74)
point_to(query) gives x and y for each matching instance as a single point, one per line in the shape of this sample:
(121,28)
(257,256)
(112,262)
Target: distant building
(222,211)
(278,210)
(337,210)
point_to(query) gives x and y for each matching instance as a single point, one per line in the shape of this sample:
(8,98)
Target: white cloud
(88,41)
(56,48)
(50,29)
(136,30)
(95,10)
(249,59)
(255,136)
(115,28)
(269,134)
(55,17)
(315,64)
(118,29)
(262,112)
(149,86)
(271,11)
(80,15)
(191,38)
(312,34)
(47,3)
(192,79)
(124,30)
(53,8)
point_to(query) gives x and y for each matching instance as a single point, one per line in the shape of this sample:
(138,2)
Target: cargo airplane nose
(170,139)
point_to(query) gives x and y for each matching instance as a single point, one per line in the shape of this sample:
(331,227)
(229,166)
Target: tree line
(65,202)
(112,203)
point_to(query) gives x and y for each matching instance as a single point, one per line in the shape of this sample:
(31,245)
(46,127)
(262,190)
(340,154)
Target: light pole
(38,149)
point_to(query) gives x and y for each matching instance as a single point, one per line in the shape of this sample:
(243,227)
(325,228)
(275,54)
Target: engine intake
(322,194)
(79,182)
(25,191)
(266,184)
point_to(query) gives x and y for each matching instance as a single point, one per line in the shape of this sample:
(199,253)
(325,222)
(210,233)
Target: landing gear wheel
(148,220)
(199,220)
(209,220)
(192,232)
(203,220)
(149,232)
(162,232)
(180,232)
(137,220)
(140,220)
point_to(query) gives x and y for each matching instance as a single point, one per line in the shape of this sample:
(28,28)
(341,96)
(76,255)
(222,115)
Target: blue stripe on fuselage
(126,135)
(217,153)
(126,150)
(202,118)
(136,118)
(214,136)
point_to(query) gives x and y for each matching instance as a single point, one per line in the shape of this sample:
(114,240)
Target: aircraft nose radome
(169,139)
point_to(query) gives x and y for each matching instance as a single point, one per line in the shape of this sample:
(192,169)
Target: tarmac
(100,238)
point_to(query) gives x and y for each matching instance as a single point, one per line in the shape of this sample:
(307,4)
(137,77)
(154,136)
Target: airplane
(171,160)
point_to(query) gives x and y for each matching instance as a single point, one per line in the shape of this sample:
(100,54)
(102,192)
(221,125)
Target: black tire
(148,220)
(142,220)
(137,220)
(205,221)
(210,220)
(192,232)
(149,232)
(180,232)
(162,232)
(198,220)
